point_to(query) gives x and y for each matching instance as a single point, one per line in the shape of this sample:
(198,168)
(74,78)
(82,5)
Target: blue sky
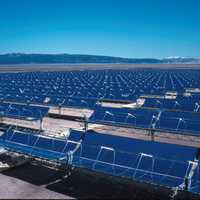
(126,28)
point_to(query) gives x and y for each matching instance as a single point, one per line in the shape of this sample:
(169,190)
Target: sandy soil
(66,67)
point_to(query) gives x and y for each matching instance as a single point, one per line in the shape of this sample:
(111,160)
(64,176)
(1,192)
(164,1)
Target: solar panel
(125,117)
(157,163)
(185,104)
(20,111)
(158,120)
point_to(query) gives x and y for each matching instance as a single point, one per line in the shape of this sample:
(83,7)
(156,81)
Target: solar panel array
(157,163)
(25,112)
(184,104)
(84,88)
(153,119)
(36,145)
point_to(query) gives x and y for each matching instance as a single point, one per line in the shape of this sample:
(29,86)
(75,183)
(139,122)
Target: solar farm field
(95,84)
(150,101)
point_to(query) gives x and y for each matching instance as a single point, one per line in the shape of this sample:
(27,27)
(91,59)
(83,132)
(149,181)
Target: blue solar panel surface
(154,119)
(82,88)
(26,112)
(85,88)
(186,104)
(158,163)
(37,145)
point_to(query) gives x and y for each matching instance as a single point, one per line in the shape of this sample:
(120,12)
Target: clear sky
(126,28)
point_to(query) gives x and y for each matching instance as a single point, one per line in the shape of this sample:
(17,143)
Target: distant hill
(20,58)
(181,60)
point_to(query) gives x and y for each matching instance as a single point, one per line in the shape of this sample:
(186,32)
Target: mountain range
(21,58)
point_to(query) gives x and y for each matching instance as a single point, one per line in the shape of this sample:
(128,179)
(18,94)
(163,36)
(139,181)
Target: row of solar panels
(154,119)
(181,103)
(49,100)
(185,104)
(152,162)
(112,84)
(19,111)
(157,119)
